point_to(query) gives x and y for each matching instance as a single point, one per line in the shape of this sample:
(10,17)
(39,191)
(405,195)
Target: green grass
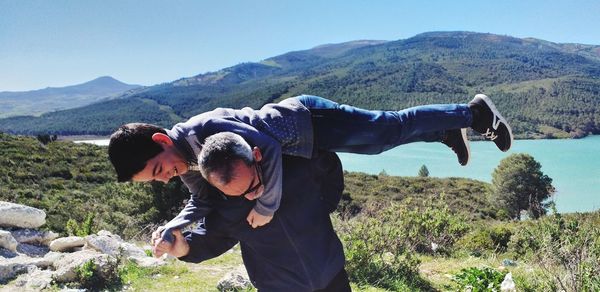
(439,270)
(181,276)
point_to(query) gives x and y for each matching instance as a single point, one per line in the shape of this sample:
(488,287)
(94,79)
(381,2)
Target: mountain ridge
(39,101)
(545,89)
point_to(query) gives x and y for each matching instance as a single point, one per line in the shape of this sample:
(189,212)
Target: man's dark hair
(130,148)
(219,153)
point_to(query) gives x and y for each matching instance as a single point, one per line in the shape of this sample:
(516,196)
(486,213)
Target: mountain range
(545,89)
(37,102)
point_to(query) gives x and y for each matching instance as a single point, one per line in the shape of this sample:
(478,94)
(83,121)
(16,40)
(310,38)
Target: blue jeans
(344,128)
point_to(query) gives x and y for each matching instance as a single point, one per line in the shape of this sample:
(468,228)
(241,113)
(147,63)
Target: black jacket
(298,250)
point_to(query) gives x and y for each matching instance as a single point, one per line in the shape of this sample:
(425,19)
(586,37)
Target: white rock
(114,245)
(10,268)
(109,234)
(235,280)
(34,236)
(35,279)
(16,215)
(67,243)
(508,285)
(8,241)
(147,262)
(65,264)
(434,246)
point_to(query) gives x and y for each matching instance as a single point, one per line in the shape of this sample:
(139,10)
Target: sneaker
(488,121)
(457,140)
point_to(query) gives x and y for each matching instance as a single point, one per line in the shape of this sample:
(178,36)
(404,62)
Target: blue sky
(57,43)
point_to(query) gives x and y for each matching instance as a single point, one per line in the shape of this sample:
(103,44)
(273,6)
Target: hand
(255,219)
(178,248)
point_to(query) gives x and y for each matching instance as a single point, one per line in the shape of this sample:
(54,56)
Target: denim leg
(344,128)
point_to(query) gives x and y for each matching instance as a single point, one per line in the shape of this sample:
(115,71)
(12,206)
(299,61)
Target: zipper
(312,286)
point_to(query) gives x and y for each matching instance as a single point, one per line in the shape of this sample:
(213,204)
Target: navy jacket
(298,250)
(276,128)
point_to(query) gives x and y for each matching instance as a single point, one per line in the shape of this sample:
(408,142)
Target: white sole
(463,132)
(495,111)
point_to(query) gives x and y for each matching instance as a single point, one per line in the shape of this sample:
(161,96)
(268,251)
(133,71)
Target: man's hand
(255,219)
(178,248)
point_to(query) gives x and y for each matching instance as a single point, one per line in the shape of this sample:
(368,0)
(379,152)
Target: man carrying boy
(296,126)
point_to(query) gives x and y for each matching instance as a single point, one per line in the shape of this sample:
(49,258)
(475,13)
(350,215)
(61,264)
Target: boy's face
(165,165)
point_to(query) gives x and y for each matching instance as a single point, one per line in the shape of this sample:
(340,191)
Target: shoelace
(489,134)
(193,167)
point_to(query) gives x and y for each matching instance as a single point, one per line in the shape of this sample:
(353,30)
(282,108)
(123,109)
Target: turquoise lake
(572,165)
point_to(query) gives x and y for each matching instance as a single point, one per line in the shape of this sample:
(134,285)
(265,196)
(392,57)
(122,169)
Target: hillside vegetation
(399,233)
(71,181)
(545,89)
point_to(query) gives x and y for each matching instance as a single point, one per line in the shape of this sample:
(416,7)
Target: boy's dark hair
(130,148)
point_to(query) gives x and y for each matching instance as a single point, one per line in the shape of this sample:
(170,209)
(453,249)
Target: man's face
(247,181)
(164,166)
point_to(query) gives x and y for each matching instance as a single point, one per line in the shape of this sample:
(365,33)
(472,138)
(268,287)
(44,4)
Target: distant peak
(105,79)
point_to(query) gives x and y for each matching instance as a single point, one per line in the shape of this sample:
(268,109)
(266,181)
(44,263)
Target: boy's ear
(162,139)
(257,154)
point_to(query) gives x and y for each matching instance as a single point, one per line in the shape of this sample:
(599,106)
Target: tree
(423,171)
(519,184)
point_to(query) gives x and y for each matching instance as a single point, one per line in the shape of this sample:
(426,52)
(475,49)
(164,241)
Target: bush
(479,279)
(566,248)
(377,254)
(486,239)
(90,276)
(84,229)
(433,228)
(380,242)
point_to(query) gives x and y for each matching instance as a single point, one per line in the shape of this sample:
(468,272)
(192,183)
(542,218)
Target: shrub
(487,238)
(381,241)
(90,275)
(84,229)
(566,248)
(423,171)
(479,279)
(432,225)
(377,254)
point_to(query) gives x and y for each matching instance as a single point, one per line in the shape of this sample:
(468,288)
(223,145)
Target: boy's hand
(255,219)
(178,248)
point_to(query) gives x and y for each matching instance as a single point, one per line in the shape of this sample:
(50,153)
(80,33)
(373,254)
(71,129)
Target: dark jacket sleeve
(206,245)
(196,208)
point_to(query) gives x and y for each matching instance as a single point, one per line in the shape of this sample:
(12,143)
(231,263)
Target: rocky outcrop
(33,236)
(235,280)
(21,216)
(37,259)
(8,241)
(66,264)
(67,243)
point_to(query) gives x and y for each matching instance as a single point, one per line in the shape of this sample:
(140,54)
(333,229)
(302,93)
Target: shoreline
(81,137)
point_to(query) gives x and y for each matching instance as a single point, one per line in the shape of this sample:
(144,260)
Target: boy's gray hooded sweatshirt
(276,129)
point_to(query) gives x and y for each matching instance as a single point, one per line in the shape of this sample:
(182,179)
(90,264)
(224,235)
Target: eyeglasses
(251,188)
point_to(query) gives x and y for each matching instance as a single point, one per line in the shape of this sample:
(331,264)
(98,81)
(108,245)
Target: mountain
(36,102)
(545,89)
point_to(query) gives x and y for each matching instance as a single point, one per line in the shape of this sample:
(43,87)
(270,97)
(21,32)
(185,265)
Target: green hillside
(388,226)
(545,89)
(71,180)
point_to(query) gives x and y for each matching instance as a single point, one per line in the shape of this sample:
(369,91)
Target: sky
(58,43)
